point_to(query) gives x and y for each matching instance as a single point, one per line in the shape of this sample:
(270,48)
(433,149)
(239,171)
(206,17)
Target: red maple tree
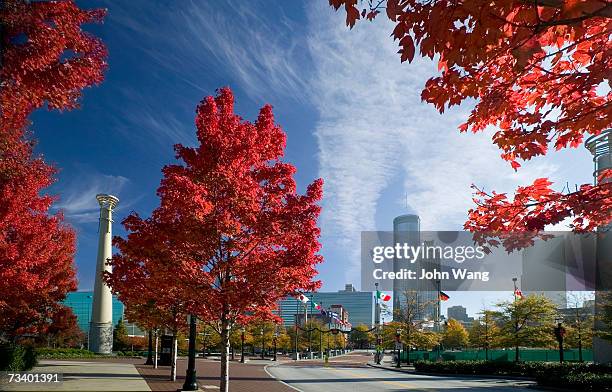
(151,296)
(63,330)
(45,59)
(538,71)
(231,235)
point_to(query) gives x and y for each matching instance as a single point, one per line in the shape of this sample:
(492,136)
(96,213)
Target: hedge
(60,353)
(17,358)
(583,376)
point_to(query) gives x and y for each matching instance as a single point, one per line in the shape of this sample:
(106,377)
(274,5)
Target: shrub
(576,376)
(64,353)
(17,358)
(577,380)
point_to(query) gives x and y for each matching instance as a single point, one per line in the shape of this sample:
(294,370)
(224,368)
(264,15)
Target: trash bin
(165,352)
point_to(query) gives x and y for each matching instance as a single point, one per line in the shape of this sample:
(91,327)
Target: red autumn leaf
(37,247)
(229,215)
(491,52)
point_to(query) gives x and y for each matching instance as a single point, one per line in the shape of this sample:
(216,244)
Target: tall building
(406,229)
(348,288)
(457,312)
(358,304)
(81,304)
(544,270)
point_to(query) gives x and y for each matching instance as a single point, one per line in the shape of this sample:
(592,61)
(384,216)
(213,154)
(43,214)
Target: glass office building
(358,304)
(81,303)
(406,229)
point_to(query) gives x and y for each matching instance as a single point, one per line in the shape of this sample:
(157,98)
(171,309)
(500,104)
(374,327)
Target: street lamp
(398,334)
(559,334)
(191,382)
(275,338)
(242,330)
(88,319)
(516,324)
(263,343)
(150,349)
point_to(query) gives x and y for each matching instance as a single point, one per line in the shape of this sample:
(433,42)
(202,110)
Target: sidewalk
(85,376)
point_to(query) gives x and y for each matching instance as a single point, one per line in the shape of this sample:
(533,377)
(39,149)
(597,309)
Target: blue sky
(351,111)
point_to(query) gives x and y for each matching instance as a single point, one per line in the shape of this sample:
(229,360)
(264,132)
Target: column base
(101,338)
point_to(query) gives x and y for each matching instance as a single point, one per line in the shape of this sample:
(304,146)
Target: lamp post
(263,343)
(274,340)
(398,334)
(150,349)
(559,334)
(376,324)
(486,325)
(516,328)
(191,382)
(242,330)
(89,320)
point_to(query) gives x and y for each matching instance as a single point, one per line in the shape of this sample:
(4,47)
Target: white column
(101,327)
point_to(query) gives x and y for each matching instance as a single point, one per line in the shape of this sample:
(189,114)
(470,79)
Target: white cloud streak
(374,129)
(78,198)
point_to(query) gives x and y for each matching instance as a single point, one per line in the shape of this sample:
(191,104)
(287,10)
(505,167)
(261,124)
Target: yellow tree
(454,335)
(528,321)
(361,337)
(410,317)
(483,332)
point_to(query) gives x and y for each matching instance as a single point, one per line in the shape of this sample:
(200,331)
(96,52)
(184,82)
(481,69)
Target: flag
(518,293)
(302,298)
(317,306)
(443,296)
(383,297)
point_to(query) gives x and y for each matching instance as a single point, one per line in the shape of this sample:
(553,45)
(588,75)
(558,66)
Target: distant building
(407,230)
(457,312)
(348,288)
(359,306)
(336,317)
(545,259)
(81,302)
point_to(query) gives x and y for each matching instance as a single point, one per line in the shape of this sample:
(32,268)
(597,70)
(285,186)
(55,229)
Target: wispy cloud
(78,197)
(142,121)
(374,129)
(258,50)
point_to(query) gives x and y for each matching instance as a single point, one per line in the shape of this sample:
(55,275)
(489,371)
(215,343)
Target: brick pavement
(249,377)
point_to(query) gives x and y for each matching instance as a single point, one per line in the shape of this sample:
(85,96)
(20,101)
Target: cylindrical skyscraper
(101,327)
(406,229)
(601,148)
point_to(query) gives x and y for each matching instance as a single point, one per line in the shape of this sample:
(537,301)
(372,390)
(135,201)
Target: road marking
(278,379)
(395,383)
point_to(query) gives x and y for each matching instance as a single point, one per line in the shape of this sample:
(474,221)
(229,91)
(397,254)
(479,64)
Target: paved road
(355,378)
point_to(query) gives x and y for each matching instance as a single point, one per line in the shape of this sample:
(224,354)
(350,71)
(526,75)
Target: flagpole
(516,354)
(310,331)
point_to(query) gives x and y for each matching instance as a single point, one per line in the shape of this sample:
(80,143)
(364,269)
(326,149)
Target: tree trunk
(224,382)
(173,360)
(516,353)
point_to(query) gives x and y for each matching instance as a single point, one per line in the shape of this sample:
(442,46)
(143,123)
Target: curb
(493,376)
(279,380)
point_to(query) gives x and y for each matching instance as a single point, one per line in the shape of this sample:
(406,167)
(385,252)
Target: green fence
(526,354)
